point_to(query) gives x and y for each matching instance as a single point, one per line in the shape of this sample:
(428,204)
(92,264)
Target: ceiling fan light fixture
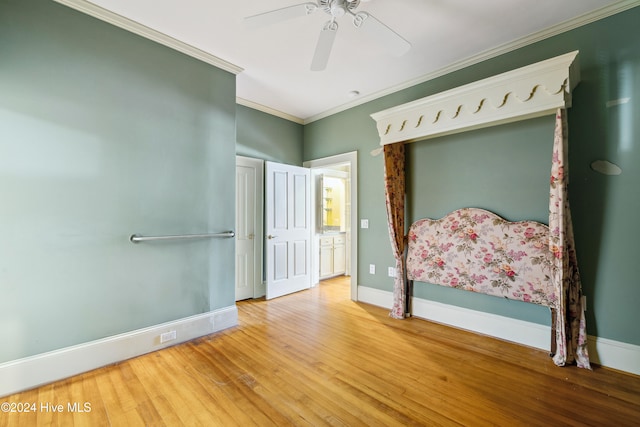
(338,9)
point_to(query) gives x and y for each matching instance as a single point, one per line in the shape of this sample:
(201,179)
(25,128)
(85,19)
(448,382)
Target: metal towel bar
(136,238)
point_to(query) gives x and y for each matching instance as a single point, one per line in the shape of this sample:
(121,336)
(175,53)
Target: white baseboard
(29,372)
(614,354)
(375,297)
(505,328)
(602,351)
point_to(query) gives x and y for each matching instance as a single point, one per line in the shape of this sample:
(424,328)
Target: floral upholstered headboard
(476,250)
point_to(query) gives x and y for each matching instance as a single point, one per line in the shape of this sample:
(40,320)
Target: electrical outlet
(391,272)
(364,223)
(372,269)
(168,336)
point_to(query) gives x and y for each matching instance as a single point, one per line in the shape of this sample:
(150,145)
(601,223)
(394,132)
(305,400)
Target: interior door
(249,194)
(245,233)
(287,229)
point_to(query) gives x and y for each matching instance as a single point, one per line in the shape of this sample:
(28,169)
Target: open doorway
(335,218)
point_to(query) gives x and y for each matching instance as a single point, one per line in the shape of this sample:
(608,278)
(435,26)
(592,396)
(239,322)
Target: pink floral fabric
(478,251)
(394,186)
(571,334)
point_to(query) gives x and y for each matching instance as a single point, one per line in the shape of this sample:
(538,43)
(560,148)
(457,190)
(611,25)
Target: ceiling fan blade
(279,15)
(324,46)
(381,34)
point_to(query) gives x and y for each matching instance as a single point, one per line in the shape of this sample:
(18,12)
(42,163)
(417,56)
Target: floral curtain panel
(394,186)
(571,334)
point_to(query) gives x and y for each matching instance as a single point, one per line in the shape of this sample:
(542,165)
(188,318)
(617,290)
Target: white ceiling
(445,35)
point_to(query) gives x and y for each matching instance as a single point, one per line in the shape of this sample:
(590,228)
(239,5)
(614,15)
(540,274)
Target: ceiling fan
(363,21)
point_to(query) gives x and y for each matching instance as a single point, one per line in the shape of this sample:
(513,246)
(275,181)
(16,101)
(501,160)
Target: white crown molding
(560,28)
(532,91)
(148,33)
(602,351)
(268,110)
(136,28)
(29,372)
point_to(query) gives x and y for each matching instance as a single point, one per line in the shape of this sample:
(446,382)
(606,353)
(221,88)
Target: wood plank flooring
(316,358)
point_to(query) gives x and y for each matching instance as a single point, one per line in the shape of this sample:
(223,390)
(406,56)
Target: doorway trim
(350,158)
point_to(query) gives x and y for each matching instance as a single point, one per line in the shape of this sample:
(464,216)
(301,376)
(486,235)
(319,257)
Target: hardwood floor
(316,358)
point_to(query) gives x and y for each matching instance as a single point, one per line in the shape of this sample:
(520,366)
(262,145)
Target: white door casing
(287,229)
(351,247)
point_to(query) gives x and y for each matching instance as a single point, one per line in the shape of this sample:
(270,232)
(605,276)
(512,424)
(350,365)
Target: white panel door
(245,233)
(287,229)
(249,191)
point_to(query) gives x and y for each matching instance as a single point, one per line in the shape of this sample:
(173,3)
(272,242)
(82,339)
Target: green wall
(506,169)
(263,136)
(104,134)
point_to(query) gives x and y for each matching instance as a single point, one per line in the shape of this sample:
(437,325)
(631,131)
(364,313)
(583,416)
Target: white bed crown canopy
(536,90)
(532,91)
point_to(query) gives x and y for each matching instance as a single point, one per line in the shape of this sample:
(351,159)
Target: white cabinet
(326,257)
(332,255)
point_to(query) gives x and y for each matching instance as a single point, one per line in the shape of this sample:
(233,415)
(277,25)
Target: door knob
(250,236)
(271,237)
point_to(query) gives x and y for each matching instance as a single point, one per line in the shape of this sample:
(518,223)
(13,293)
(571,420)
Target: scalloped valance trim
(532,91)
